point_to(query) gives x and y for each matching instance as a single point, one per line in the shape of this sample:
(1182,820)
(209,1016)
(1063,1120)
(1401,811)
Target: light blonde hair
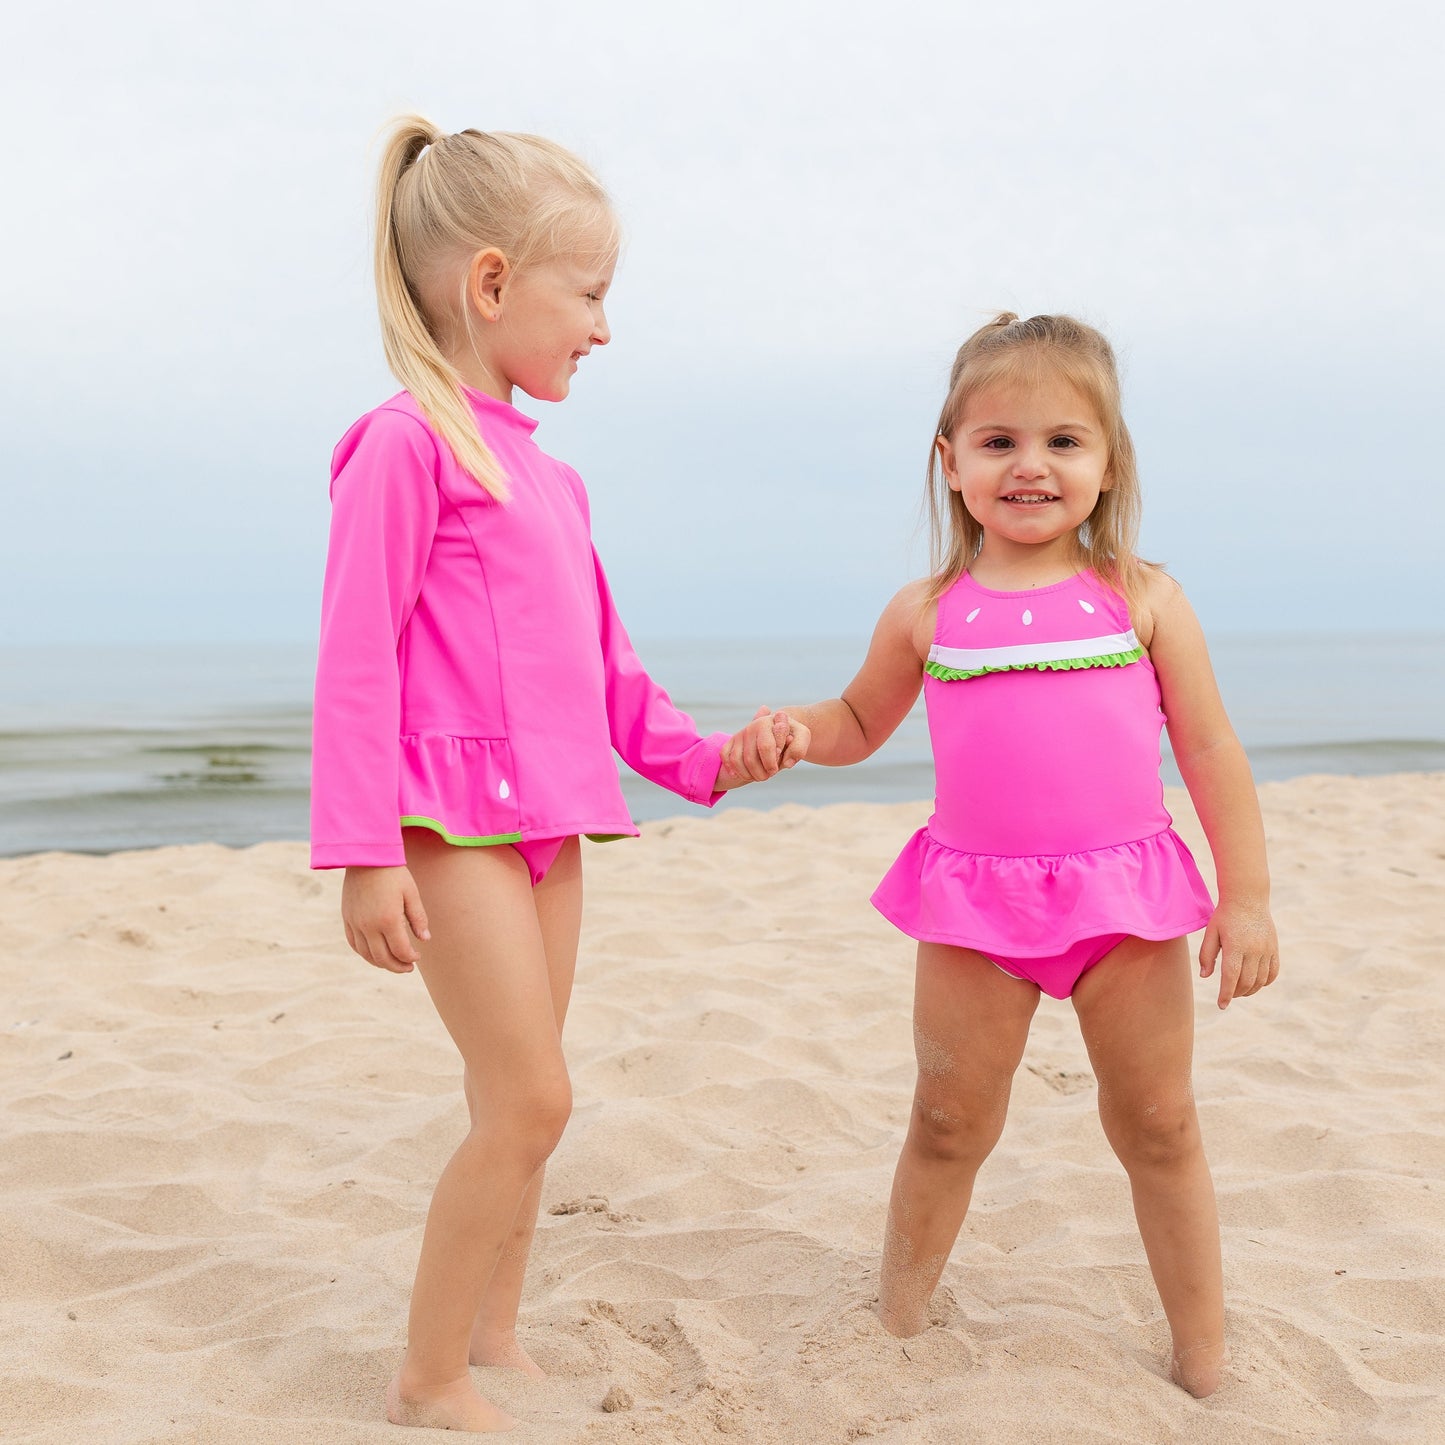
(440,200)
(1009,352)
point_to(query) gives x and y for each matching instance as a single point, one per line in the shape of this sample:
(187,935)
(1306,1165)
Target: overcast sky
(821,201)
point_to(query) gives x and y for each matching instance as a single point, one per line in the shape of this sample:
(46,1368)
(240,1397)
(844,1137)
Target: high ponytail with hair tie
(407,338)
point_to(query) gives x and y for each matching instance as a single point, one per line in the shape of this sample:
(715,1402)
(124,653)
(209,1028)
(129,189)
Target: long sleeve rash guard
(474,676)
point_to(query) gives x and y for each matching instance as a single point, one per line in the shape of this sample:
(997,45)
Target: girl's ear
(487,275)
(949,462)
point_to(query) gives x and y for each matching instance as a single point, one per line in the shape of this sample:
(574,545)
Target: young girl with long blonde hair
(474,679)
(1051,657)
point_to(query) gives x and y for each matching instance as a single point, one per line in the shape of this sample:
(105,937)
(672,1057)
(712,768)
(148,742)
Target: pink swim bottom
(1058,974)
(539,854)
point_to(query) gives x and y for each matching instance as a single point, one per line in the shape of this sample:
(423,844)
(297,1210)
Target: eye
(1063,443)
(997,444)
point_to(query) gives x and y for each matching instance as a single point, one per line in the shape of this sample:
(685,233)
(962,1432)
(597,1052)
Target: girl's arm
(384,516)
(1241,934)
(849,728)
(652,736)
(384,510)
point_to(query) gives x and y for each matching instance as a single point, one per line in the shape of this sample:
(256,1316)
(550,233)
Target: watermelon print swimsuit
(1049,842)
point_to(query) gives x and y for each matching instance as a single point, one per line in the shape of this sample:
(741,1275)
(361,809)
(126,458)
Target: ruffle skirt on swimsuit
(1033,907)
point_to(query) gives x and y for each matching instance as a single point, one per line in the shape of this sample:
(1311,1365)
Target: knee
(1157,1135)
(550,1109)
(528,1122)
(952,1131)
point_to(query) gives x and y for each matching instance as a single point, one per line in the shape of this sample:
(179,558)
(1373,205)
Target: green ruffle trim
(491,841)
(1068,664)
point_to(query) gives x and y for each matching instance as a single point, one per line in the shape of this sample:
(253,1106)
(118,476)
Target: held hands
(382,914)
(1241,939)
(771,742)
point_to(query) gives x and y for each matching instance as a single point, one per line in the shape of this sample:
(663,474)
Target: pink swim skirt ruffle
(1037,906)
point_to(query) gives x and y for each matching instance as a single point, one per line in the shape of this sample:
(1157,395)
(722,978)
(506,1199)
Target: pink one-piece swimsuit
(1049,843)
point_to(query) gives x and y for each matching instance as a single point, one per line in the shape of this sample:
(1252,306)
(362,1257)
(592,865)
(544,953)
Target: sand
(221,1130)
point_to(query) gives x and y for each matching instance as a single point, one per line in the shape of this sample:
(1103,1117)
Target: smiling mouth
(1030,499)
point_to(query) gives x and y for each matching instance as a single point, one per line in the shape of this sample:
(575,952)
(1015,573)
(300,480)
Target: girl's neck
(471,372)
(1006,566)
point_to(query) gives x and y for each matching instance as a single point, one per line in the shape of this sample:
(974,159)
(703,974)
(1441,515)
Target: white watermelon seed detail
(1088,607)
(504,791)
(973,614)
(1028,618)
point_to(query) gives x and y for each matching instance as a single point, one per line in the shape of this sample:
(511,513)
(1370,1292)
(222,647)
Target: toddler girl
(1050,658)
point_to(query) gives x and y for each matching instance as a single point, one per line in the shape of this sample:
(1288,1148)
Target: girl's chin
(553,391)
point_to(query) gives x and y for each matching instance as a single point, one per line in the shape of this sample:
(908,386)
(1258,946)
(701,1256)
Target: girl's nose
(1030,465)
(601,332)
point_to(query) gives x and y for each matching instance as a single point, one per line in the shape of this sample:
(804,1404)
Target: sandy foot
(902,1324)
(1198,1369)
(456,1407)
(505,1354)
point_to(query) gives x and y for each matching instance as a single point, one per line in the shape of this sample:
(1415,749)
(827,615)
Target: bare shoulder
(910,597)
(912,614)
(1161,596)
(888,682)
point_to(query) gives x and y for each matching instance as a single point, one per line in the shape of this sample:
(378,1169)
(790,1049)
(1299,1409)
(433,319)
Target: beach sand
(221,1130)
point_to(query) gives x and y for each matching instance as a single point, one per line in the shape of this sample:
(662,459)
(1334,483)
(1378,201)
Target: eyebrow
(1063,426)
(584,271)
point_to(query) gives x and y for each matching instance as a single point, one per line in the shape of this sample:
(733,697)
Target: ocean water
(132,747)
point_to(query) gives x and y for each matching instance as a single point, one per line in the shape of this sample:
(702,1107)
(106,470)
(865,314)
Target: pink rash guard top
(1049,826)
(474,676)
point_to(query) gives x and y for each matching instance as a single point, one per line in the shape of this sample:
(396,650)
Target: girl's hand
(771,742)
(382,913)
(1241,939)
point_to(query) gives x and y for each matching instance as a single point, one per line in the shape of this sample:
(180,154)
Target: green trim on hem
(496,838)
(606,837)
(1067,664)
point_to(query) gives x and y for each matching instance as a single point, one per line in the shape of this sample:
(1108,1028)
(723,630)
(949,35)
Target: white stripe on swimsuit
(974,659)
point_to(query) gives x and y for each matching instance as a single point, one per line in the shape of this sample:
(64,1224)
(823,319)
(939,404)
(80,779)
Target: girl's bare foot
(455,1406)
(903,1322)
(905,1284)
(504,1352)
(1198,1368)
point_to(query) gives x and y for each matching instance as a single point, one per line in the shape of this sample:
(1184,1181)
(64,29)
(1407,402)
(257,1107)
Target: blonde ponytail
(440,200)
(411,350)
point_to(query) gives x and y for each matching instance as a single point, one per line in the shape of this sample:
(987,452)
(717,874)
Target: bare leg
(970,1024)
(1136,1011)
(494,1331)
(486,970)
